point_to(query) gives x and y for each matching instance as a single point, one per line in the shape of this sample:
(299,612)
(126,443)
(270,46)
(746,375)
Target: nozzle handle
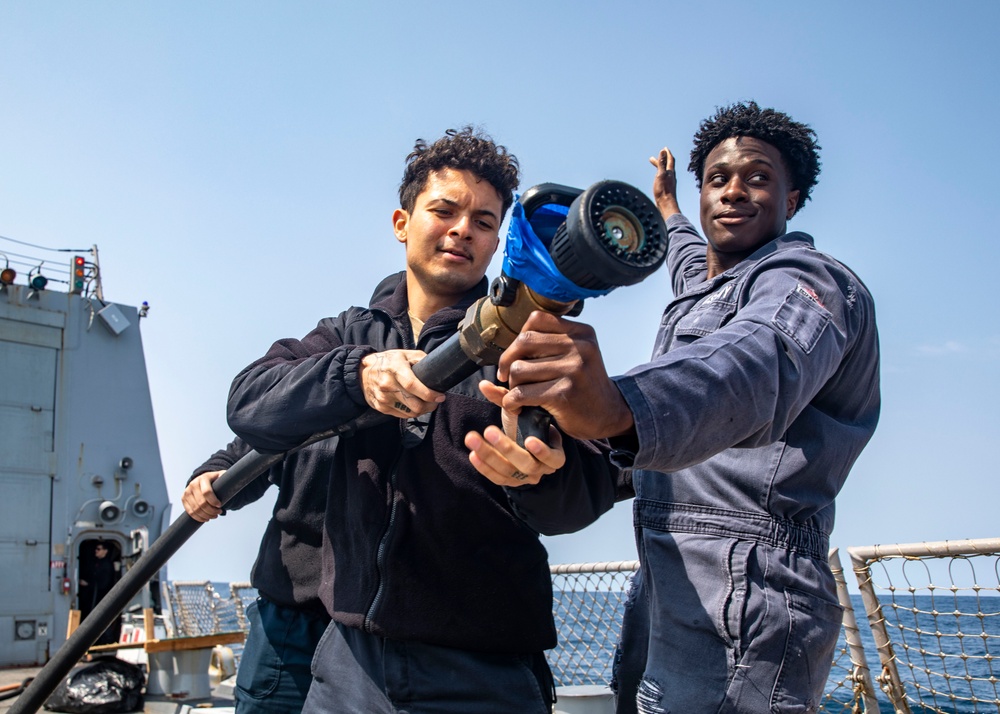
(533,421)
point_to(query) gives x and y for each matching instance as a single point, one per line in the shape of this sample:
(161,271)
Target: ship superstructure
(79,458)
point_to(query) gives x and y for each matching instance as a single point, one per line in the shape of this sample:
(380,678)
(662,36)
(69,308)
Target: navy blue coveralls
(762,390)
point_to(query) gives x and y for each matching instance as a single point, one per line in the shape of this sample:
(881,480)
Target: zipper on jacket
(383,545)
(384,541)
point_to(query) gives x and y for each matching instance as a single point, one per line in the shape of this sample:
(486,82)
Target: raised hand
(665,183)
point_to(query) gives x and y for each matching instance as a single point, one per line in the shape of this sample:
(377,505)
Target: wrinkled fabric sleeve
(685,252)
(221,461)
(299,388)
(576,495)
(745,383)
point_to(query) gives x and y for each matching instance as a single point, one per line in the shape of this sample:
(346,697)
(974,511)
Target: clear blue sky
(237,164)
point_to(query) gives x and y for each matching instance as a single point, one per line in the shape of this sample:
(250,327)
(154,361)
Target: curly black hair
(795,141)
(461,149)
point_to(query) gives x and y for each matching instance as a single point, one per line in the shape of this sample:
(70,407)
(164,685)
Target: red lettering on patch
(809,293)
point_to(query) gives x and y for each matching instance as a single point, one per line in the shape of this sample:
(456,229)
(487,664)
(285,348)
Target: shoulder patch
(802,316)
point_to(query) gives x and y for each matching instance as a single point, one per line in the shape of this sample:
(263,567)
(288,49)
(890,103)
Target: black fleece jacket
(416,545)
(287,569)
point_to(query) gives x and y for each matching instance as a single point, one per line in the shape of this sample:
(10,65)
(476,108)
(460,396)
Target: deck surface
(221,701)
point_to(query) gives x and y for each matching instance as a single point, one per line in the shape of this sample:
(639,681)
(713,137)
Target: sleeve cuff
(352,374)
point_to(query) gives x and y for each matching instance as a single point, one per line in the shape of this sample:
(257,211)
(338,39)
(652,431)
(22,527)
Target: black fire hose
(613,236)
(234,480)
(238,476)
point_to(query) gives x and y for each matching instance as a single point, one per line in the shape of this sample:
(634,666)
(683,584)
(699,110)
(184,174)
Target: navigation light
(37,281)
(77,274)
(7,275)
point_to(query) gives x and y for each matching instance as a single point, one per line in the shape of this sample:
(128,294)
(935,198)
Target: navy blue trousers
(274,673)
(354,671)
(715,625)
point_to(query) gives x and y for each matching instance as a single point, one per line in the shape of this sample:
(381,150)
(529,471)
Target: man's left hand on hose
(199,497)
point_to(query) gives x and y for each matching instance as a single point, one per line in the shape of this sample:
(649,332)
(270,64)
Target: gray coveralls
(762,391)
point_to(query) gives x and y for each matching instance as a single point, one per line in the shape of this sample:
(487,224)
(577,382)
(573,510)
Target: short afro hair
(464,149)
(795,141)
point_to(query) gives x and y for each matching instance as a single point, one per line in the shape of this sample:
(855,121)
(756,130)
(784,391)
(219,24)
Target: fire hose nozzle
(492,324)
(593,241)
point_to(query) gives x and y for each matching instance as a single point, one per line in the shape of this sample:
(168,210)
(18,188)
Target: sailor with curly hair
(440,597)
(762,390)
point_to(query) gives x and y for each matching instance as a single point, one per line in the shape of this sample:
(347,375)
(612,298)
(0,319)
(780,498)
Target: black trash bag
(107,686)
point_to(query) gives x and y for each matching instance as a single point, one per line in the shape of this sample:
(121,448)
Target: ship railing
(932,612)
(849,686)
(193,608)
(242,594)
(588,602)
